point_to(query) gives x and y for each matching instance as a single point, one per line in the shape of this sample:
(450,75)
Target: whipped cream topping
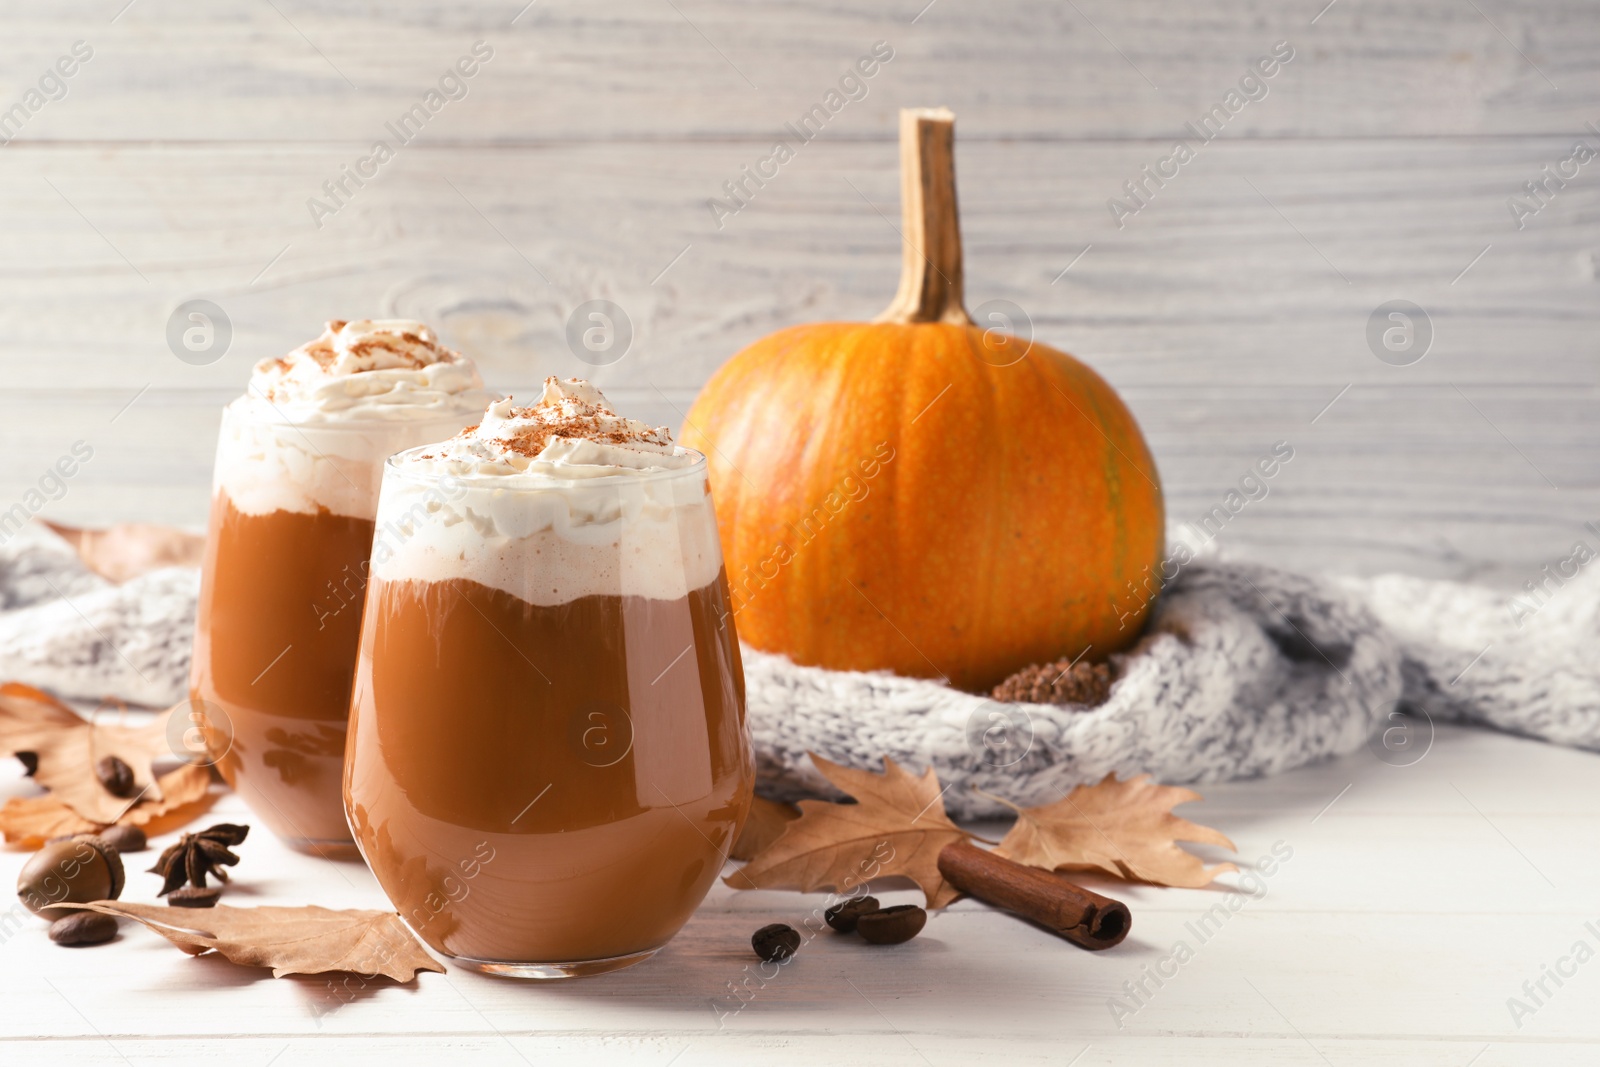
(572,432)
(550,503)
(369,369)
(313,429)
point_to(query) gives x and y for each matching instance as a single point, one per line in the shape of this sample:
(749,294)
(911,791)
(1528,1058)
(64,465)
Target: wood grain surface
(582,159)
(1413,903)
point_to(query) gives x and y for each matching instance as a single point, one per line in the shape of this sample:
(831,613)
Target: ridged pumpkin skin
(888,498)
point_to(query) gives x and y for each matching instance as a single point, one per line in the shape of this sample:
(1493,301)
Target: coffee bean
(844,916)
(776,942)
(194,897)
(84,928)
(124,838)
(891,926)
(115,774)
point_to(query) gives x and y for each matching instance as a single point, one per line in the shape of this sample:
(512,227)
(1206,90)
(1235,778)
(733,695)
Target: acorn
(82,869)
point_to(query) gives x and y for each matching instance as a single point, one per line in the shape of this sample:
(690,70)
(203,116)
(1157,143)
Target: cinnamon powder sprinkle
(531,440)
(321,348)
(362,348)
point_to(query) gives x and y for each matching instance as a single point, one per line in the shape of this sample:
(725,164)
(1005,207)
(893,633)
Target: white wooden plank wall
(1230,310)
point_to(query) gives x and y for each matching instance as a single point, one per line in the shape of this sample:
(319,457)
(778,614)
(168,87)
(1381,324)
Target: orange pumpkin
(921,494)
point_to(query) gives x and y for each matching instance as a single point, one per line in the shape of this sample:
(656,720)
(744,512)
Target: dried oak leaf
(186,794)
(130,549)
(67,748)
(1125,829)
(307,940)
(766,821)
(897,827)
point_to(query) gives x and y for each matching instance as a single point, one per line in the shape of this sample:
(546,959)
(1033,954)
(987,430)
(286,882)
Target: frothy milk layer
(315,426)
(549,503)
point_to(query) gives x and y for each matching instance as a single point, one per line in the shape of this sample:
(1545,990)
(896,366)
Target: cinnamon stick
(1080,915)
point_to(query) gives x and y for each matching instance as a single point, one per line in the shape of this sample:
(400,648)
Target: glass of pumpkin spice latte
(548,759)
(298,466)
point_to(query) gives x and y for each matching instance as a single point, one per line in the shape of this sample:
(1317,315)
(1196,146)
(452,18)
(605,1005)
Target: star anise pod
(197,855)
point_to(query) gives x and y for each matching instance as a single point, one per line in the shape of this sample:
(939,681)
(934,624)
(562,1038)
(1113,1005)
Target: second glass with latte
(548,759)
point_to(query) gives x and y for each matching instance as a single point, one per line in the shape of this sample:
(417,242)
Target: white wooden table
(1416,902)
(1230,312)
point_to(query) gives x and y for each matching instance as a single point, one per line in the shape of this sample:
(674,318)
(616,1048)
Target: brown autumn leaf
(186,794)
(306,940)
(129,549)
(1125,829)
(68,746)
(767,820)
(897,827)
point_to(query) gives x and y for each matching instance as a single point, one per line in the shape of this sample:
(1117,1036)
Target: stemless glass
(548,758)
(279,614)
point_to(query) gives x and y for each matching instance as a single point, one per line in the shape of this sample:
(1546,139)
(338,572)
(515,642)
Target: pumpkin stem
(930,272)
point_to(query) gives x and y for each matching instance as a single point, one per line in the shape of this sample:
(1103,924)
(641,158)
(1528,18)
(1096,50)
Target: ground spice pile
(1061,682)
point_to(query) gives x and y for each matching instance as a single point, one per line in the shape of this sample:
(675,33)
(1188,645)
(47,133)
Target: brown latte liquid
(546,784)
(275,649)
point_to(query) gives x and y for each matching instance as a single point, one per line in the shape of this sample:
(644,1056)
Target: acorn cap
(113,858)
